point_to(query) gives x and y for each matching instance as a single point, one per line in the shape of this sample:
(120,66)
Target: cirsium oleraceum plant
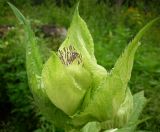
(76,93)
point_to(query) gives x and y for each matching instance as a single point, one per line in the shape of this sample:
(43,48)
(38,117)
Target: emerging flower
(73,91)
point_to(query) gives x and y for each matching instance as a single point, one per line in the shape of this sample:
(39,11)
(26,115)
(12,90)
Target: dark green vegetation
(112,26)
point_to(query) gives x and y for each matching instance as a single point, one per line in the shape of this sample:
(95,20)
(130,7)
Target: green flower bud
(72,90)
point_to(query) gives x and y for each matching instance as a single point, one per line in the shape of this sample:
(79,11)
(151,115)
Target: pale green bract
(76,93)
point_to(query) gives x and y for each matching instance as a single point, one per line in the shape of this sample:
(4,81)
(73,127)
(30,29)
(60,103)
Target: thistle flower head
(76,91)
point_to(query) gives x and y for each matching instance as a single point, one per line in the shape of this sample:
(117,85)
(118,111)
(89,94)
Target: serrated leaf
(110,94)
(123,67)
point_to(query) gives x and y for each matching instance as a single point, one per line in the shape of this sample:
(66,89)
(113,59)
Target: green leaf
(64,89)
(139,101)
(123,67)
(34,69)
(18,14)
(51,112)
(91,127)
(33,57)
(80,38)
(124,112)
(105,101)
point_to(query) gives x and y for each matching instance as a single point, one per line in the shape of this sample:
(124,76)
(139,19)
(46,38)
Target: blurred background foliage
(112,23)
